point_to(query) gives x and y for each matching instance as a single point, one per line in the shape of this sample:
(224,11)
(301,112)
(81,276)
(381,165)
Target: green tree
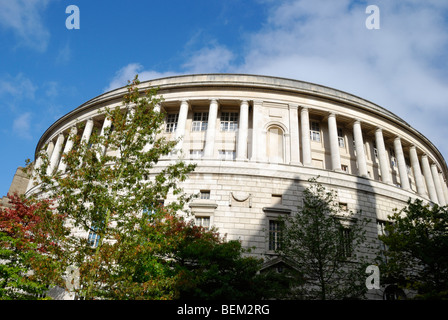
(210,268)
(202,264)
(325,245)
(106,195)
(416,255)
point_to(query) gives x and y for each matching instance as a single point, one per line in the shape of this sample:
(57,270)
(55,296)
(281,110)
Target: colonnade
(429,182)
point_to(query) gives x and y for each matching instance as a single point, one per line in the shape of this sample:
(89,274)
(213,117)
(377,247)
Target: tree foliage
(26,235)
(109,184)
(325,245)
(416,255)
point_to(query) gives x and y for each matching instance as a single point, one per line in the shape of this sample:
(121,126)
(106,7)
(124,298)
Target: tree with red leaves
(27,233)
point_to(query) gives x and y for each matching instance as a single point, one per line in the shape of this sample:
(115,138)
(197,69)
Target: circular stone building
(257,140)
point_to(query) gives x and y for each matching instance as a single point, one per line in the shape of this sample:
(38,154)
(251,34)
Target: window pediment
(277,209)
(202,206)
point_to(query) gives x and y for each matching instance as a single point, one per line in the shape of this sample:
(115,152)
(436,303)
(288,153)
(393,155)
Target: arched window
(275,144)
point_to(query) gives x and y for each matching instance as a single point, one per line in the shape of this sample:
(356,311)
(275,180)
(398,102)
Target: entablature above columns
(271,104)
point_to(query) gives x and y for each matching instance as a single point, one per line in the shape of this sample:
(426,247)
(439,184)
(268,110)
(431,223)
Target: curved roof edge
(253,81)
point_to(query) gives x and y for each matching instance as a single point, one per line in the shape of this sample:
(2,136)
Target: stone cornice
(249,82)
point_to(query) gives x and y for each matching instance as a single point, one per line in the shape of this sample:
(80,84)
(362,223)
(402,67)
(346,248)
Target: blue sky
(46,70)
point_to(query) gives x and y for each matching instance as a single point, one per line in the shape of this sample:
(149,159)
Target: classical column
(256,131)
(334,144)
(294,134)
(384,164)
(243,131)
(106,125)
(444,187)
(306,142)
(148,145)
(56,154)
(404,178)
(437,184)
(36,166)
(87,131)
(211,130)
(38,163)
(417,171)
(50,148)
(429,180)
(359,147)
(181,123)
(68,146)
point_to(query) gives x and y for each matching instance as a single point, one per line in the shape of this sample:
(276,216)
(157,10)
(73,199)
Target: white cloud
(209,60)
(128,72)
(22,125)
(24,18)
(51,89)
(18,87)
(64,54)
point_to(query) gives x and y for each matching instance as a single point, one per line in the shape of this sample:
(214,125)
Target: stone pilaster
(294,134)
(256,130)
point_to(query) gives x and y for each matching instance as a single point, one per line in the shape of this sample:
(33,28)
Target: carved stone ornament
(240,197)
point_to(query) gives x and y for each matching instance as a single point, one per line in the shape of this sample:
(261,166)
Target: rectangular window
(94,238)
(171,122)
(203,222)
(274,234)
(205,194)
(153,208)
(229,121)
(408,166)
(276,199)
(315,131)
(344,168)
(345,246)
(375,151)
(200,121)
(226,155)
(196,154)
(393,161)
(341,140)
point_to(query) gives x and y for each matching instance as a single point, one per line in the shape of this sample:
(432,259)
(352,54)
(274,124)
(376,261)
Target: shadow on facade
(255,213)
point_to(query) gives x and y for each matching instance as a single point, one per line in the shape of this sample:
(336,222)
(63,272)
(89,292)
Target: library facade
(257,140)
